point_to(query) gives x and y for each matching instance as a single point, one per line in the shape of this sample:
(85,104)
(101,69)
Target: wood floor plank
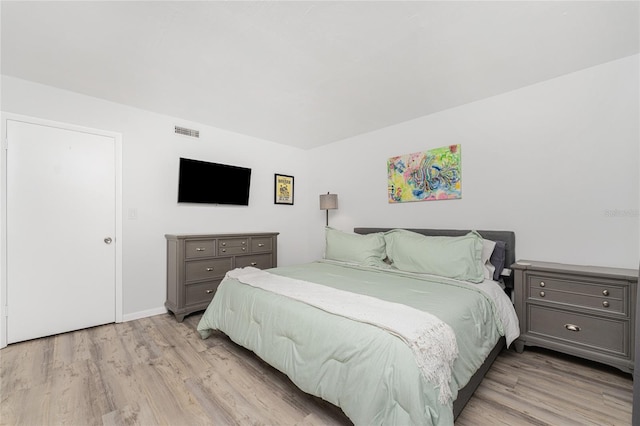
(483,409)
(30,363)
(168,397)
(267,390)
(550,389)
(157,371)
(82,399)
(138,413)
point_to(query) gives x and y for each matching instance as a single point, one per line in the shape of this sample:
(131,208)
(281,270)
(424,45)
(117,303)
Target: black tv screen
(213,183)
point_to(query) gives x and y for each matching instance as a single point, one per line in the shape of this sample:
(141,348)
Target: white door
(61,189)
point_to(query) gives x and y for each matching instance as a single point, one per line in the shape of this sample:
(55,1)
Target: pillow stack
(469,257)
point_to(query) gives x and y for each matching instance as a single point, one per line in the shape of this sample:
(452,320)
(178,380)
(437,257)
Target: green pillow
(452,257)
(368,250)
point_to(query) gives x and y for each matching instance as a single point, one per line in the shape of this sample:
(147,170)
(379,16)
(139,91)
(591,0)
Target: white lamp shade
(328,201)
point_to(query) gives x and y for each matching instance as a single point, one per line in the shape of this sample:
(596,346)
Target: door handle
(108,240)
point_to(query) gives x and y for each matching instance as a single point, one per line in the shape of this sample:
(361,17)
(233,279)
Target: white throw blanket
(432,341)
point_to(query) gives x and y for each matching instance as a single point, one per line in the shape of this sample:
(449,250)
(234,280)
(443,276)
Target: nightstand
(586,311)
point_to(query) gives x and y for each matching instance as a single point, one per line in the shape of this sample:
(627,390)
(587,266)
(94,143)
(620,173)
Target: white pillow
(487,250)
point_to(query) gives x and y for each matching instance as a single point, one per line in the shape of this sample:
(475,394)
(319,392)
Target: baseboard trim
(144,314)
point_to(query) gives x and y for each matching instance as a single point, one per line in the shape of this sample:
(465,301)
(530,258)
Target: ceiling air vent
(187,132)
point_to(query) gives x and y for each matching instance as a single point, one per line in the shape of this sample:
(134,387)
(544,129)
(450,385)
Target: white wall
(556,162)
(150,155)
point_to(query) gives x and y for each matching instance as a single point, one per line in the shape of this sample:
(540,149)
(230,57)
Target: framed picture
(435,174)
(283,191)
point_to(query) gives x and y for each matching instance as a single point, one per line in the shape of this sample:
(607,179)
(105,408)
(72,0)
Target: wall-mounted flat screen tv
(213,183)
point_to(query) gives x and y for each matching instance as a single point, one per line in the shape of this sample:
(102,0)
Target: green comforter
(371,374)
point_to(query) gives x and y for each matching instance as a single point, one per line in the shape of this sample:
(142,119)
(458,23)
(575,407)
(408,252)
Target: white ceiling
(307,73)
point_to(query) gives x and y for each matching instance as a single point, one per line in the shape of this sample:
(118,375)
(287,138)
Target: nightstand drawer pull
(261,245)
(572,327)
(209,291)
(542,294)
(605,304)
(224,250)
(254,263)
(605,292)
(200,248)
(542,284)
(209,269)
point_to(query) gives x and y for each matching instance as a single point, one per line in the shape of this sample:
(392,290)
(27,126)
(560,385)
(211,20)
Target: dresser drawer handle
(224,244)
(605,304)
(200,248)
(542,284)
(261,245)
(244,242)
(605,292)
(254,263)
(224,250)
(244,248)
(209,291)
(209,269)
(572,327)
(542,294)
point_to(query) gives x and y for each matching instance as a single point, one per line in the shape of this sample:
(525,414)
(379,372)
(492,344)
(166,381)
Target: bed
(394,326)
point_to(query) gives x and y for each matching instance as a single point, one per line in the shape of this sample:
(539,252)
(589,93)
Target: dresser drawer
(197,270)
(260,261)
(603,297)
(603,333)
(199,248)
(201,292)
(261,245)
(231,246)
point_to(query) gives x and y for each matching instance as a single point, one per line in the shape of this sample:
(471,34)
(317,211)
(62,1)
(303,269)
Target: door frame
(117,137)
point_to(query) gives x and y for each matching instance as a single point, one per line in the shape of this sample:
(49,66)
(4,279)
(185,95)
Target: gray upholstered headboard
(508,237)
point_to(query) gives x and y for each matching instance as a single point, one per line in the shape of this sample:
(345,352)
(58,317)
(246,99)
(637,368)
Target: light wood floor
(158,371)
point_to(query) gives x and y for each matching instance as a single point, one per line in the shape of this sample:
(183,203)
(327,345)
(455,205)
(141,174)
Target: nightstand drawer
(604,304)
(260,261)
(197,270)
(199,248)
(201,292)
(603,297)
(605,334)
(574,286)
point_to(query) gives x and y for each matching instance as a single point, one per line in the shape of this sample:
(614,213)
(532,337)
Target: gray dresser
(197,263)
(586,311)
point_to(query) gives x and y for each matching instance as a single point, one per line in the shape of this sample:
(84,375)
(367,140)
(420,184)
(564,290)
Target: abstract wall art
(435,174)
